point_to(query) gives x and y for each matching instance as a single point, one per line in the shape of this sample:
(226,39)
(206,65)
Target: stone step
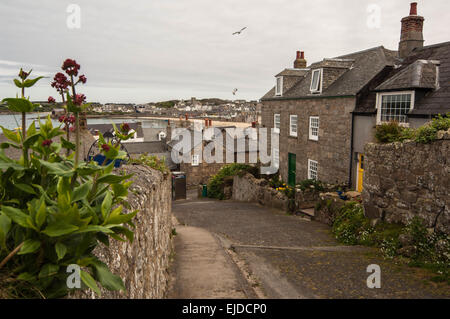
(306,212)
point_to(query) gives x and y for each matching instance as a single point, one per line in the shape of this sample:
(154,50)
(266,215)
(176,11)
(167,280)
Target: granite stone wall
(331,151)
(251,190)
(403,180)
(142,265)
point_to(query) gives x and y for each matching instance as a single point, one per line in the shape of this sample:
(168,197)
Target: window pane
(395,107)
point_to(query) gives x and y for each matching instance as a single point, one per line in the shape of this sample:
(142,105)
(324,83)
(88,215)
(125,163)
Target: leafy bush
(350,223)
(217,182)
(152,161)
(55,210)
(310,184)
(428,133)
(431,251)
(393,132)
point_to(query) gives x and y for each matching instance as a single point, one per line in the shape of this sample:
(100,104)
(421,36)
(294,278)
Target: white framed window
(313,167)
(394,106)
(316,81)
(195,160)
(276,123)
(279,86)
(293,125)
(314,128)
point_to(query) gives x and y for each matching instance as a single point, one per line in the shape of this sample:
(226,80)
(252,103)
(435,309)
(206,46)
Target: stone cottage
(198,169)
(325,113)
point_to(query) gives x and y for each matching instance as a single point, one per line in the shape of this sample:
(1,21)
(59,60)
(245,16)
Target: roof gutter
(307,98)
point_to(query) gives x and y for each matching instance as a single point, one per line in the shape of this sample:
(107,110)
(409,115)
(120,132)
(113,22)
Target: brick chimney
(412,32)
(300,62)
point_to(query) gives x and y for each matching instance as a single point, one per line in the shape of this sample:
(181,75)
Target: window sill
(313,140)
(399,124)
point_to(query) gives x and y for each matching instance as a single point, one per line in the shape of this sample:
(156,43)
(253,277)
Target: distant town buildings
(224,110)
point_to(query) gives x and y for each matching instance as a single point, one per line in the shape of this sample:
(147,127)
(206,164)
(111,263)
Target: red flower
(71,67)
(106,147)
(72,129)
(71,119)
(83,79)
(47,143)
(79,99)
(125,128)
(23,75)
(60,82)
(51,99)
(62,118)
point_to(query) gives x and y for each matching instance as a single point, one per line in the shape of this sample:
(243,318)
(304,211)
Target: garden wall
(142,265)
(249,189)
(403,180)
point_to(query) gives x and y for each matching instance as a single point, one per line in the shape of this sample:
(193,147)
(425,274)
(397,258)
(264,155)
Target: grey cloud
(169,49)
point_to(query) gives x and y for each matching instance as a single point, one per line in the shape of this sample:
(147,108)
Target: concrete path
(282,256)
(203,269)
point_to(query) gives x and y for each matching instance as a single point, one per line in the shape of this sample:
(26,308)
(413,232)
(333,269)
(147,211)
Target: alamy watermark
(230,145)
(74,279)
(374,280)
(73,20)
(374,18)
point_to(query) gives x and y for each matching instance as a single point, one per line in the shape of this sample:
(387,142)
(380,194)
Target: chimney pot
(210,122)
(413,11)
(300,62)
(411,36)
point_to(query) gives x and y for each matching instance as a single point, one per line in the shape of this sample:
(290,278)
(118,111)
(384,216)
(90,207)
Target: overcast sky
(151,50)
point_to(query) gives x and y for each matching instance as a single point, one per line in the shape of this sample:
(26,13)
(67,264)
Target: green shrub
(393,132)
(310,184)
(426,134)
(387,132)
(350,223)
(152,161)
(54,210)
(217,182)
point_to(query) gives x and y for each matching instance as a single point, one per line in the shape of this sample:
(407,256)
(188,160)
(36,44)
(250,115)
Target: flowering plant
(54,210)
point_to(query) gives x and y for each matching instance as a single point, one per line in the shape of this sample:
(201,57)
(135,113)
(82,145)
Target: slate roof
(293,72)
(418,75)
(434,101)
(361,68)
(417,72)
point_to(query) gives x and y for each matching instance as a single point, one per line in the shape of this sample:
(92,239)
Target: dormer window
(279,86)
(394,107)
(316,81)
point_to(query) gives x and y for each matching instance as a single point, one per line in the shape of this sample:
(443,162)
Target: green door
(292,168)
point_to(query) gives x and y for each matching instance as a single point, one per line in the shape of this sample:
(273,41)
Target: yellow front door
(360,172)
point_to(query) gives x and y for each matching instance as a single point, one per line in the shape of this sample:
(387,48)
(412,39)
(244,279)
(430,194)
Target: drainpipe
(351,152)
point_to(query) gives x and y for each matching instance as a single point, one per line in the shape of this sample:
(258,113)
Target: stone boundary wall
(403,180)
(143,265)
(251,190)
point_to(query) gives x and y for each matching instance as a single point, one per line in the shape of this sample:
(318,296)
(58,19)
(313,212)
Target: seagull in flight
(234,91)
(239,32)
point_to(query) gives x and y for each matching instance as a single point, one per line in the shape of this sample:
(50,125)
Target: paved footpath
(226,249)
